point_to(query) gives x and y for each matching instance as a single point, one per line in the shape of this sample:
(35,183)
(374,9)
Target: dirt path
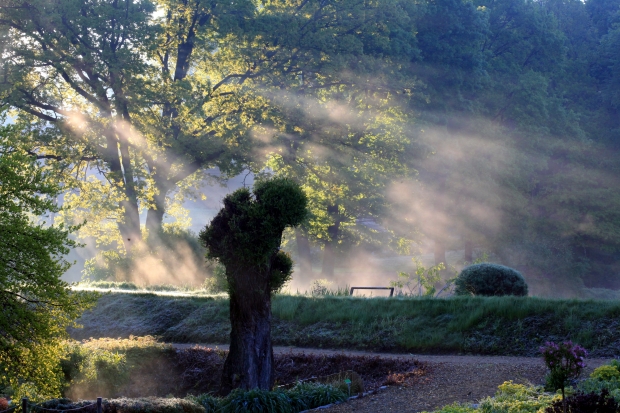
(450,379)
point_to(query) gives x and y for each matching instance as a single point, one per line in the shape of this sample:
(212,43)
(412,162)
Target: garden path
(450,378)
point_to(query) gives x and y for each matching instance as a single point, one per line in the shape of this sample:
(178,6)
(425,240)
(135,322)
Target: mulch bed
(201,368)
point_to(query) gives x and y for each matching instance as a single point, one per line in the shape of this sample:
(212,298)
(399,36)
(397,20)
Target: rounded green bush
(606,373)
(490,280)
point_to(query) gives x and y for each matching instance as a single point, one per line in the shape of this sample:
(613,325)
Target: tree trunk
(303,251)
(469,251)
(155,214)
(249,364)
(440,252)
(129,227)
(328,248)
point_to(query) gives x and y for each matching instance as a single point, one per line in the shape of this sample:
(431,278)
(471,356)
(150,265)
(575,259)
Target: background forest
(414,127)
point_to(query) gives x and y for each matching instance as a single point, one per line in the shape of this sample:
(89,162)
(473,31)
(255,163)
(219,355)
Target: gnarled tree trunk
(249,364)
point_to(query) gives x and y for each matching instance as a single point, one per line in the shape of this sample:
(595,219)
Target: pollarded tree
(245,236)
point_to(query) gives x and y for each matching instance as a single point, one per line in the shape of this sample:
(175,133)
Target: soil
(447,379)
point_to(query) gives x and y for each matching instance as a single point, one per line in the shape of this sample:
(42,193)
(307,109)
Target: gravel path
(450,379)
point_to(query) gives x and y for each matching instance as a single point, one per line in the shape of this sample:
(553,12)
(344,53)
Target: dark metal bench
(373,288)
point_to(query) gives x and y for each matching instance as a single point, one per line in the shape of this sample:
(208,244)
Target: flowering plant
(565,361)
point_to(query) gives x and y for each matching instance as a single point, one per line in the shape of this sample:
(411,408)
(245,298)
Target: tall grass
(490,325)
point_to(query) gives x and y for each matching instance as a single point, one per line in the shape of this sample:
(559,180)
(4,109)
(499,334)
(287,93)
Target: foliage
(564,361)
(516,398)
(217,282)
(320,287)
(317,394)
(457,408)
(424,278)
(148,134)
(206,400)
(586,403)
(93,370)
(137,405)
(247,232)
(603,377)
(256,401)
(605,373)
(490,280)
(596,386)
(37,306)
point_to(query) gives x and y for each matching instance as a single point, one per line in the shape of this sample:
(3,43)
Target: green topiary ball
(490,280)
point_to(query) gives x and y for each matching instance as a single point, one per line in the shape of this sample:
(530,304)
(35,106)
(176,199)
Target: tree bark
(303,251)
(155,215)
(327,269)
(129,227)
(249,364)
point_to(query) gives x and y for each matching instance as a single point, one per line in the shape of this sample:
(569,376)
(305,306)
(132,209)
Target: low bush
(597,386)
(317,394)
(208,401)
(586,403)
(457,408)
(605,373)
(517,398)
(606,377)
(490,280)
(125,405)
(93,371)
(4,404)
(256,401)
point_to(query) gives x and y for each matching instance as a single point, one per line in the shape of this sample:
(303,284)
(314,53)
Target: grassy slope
(511,326)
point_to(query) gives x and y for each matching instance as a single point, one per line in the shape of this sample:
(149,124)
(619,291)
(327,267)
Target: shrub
(256,401)
(95,371)
(490,280)
(596,386)
(516,398)
(4,404)
(565,361)
(318,394)
(586,403)
(125,405)
(206,400)
(457,408)
(605,373)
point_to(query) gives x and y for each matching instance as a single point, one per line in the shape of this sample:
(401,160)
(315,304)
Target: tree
(136,90)
(336,124)
(245,236)
(36,306)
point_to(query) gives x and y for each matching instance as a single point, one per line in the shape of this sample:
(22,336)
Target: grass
(493,325)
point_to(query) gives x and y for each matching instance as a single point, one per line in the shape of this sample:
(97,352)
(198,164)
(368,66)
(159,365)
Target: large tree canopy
(136,90)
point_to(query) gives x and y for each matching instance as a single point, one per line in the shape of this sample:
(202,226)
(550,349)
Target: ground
(448,379)
(464,379)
